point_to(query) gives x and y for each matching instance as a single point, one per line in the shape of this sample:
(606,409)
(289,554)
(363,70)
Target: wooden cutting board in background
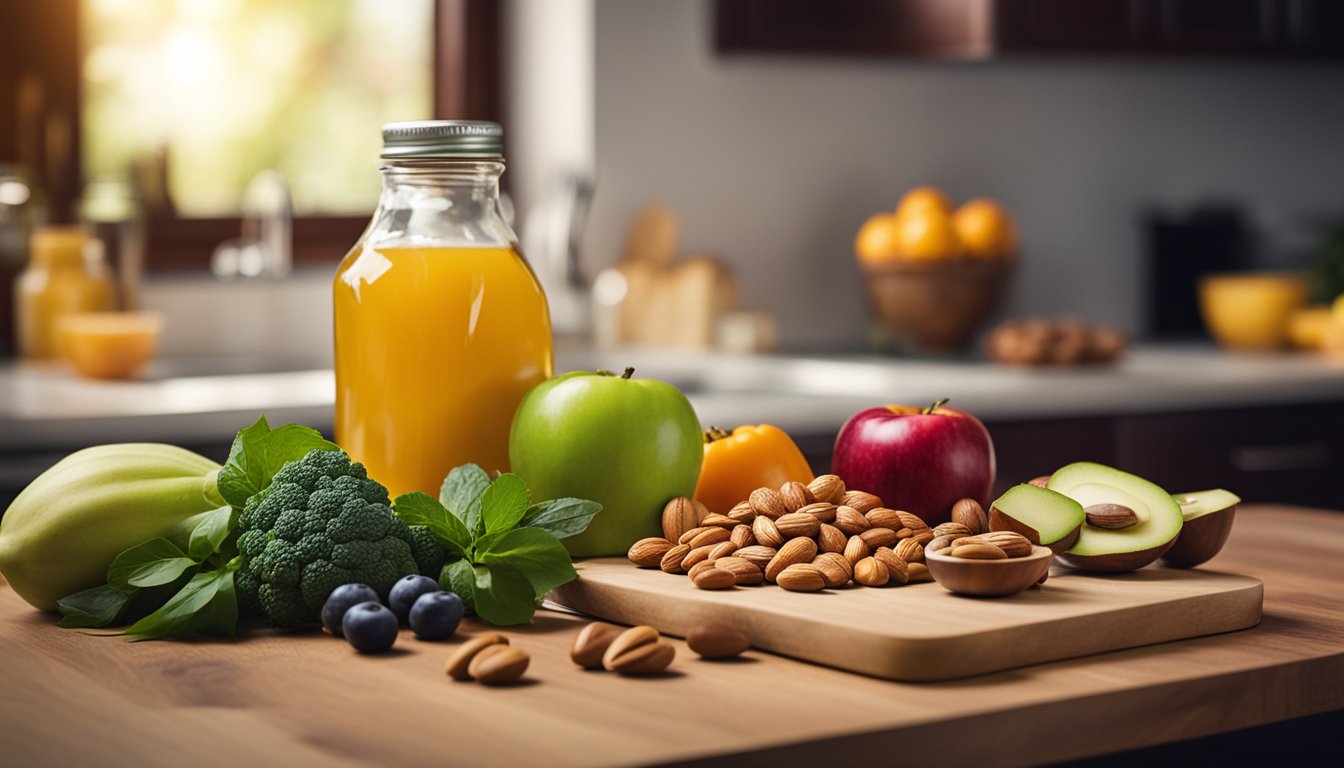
(922,632)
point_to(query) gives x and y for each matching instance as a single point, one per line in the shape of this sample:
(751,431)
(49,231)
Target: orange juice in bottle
(441,326)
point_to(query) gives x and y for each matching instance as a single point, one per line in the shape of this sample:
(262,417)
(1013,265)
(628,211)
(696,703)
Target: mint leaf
(157,561)
(460,578)
(190,608)
(561,517)
(97,607)
(259,452)
(504,596)
(210,533)
(538,555)
(503,503)
(461,493)
(419,508)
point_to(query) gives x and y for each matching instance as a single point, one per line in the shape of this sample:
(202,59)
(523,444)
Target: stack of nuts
(1053,342)
(640,651)
(488,659)
(804,538)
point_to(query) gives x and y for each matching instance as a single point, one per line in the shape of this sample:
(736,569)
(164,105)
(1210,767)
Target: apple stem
(630,371)
(936,406)
(716,433)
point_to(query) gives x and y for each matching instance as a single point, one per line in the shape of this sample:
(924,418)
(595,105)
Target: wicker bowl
(934,307)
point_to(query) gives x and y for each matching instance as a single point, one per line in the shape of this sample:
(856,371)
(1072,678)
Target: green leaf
(157,561)
(210,533)
(460,578)
(97,607)
(538,555)
(220,615)
(561,517)
(503,503)
(504,596)
(419,508)
(461,493)
(259,452)
(194,606)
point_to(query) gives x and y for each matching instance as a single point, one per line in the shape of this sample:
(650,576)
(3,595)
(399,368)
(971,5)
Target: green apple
(629,444)
(1153,527)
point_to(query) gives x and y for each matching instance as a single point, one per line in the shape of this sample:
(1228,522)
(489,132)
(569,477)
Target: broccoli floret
(427,551)
(320,524)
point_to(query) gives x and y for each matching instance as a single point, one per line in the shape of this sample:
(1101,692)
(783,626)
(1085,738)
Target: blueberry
(406,591)
(370,627)
(342,599)
(435,615)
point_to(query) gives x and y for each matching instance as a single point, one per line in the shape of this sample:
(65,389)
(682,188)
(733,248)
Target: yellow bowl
(1251,311)
(110,345)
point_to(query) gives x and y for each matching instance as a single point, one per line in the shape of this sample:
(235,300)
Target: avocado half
(1122,549)
(1208,522)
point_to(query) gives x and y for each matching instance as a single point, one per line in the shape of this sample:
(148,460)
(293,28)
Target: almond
(744,571)
(681,515)
(918,573)
(1012,543)
(648,659)
(796,524)
(714,578)
(1040,482)
(871,572)
(884,518)
(912,521)
(939,543)
(834,568)
(879,537)
(671,562)
(692,533)
(978,551)
(850,521)
(830,539)
(592,642)
(627,641)
(742,536)
(766,532)
(947,529)
(969,513)
(822,510)
(757,554)
(742,512)
(905,533)
(768,502)
(861,501)
(718,521)
(696,555)
(695,570)
(923,535)
(709,535)
(722,549)
(898,571)
(828,488)
(856,549)
(801,577)
(793,552)
(648,553)
(460,661)
(717,641)
(910,551)
(499,665)
(1112,516)
(795,495)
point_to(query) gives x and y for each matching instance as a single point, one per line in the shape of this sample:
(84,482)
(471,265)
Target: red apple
(921,460)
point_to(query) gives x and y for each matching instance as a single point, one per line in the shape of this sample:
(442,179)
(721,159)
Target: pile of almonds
(1036,341)
(804,538)
(488,659)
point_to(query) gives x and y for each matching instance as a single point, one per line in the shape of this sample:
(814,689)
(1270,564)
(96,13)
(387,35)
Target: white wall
(774,162)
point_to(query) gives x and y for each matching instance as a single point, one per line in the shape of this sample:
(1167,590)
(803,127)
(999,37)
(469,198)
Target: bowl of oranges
(935,273)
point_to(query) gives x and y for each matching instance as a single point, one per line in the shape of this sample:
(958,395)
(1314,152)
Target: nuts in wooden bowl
(975,572)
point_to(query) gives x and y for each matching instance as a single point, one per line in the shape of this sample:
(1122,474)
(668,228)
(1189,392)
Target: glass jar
(441,325)
(66,274)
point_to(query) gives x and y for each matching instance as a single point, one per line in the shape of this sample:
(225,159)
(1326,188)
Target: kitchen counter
(205,402)
(72,698)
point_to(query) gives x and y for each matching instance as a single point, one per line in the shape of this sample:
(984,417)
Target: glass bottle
(441,325)
(66,274)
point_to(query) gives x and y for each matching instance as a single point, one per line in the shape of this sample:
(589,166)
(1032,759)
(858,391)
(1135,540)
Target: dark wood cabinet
(915,28)
(1066,26)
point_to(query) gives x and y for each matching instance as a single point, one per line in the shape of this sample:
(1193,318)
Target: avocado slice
(1208,522)
(1046,517)
(1119,549)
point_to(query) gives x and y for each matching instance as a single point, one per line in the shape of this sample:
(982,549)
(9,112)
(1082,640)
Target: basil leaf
(157,561)
(258,452)
(538,555)
(561,517)
(461,493)
(503,503)
(419,508)
(460,578)
(97,607)
(504,596)
(210,533)
(220,615)
(192,605)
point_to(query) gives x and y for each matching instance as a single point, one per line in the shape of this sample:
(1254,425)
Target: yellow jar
(66,274)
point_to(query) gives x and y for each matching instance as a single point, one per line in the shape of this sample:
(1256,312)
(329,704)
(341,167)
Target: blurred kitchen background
(689,180)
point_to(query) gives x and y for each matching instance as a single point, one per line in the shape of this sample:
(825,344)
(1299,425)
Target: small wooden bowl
(935,306)
(989,578)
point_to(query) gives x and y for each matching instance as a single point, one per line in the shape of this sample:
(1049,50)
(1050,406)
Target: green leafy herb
(209,534)
(156,562)
(259,452)
(201,606)
(96,607)
(510,554)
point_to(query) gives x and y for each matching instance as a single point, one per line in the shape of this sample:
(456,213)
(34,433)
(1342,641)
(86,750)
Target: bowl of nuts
(989,565)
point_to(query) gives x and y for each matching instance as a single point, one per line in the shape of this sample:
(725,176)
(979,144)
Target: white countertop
(46,409)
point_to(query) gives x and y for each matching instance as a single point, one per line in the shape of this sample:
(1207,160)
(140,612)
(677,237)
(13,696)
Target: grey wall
(774,162)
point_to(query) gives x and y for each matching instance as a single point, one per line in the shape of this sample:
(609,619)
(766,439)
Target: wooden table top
(70,698)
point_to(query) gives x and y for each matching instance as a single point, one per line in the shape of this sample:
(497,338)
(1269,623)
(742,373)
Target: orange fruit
(922,199)
(876,241)
(986,230)
(927,236)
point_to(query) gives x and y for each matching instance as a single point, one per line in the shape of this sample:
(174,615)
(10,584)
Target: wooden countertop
(301,699)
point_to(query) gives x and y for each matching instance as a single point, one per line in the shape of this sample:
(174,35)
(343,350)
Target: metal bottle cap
(443,138)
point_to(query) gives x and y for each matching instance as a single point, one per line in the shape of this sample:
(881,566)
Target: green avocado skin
(629,444)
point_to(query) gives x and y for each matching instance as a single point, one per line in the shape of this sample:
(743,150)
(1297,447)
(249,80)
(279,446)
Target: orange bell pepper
(751,457)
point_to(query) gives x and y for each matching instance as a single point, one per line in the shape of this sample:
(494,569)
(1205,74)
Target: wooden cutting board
(922,632)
